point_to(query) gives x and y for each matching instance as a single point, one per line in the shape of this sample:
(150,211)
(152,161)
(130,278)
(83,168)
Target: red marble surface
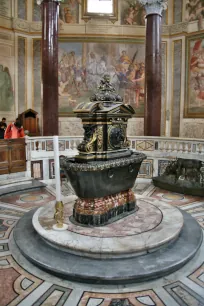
(152,121)
(7,279)
(187,199)
(50,11)
(20,199)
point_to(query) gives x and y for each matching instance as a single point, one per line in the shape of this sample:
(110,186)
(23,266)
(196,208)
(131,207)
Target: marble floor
(23,284)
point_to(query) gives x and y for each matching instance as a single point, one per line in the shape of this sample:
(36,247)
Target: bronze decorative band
(68,164)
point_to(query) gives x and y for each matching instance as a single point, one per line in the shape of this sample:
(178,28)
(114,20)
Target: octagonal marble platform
(155,224)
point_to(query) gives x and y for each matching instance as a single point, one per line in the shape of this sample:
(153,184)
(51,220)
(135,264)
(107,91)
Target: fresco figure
(6,89)
(197,72)
(195,11)
(82,66)
(133,13)
(69,11)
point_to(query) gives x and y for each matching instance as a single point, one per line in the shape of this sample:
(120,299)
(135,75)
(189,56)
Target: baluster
(74,145)
(161,145)
(71,144)
(181,146)
(202,148)
(166,145)
(36,145)
(174,146)
(185,147)
(32,146)
(43,147)
(197,148)
(132,144)
(190,147)
(40,145)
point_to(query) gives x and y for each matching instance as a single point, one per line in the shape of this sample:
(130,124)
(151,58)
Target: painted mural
(195,77)
(195,11)
(21,74)
(36,11)
(133,13)
(177,11)
(69,11)
(6,89)
(5,8)
(37,84)
(82,65)
(22,7)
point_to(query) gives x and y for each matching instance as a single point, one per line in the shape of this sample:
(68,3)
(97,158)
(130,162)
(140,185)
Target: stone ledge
(130,270)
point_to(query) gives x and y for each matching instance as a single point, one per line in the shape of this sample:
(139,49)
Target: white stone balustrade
(157,149)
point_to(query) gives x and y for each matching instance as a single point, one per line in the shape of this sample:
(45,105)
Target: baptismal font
(104,171)
(104,234)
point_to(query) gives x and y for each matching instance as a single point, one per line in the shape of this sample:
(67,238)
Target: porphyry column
(152,120)
(50,13)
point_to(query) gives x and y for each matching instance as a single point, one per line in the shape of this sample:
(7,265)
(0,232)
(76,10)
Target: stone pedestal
(99,211)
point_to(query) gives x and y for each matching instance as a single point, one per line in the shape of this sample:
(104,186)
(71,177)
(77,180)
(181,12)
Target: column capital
(154,6)
(39,2)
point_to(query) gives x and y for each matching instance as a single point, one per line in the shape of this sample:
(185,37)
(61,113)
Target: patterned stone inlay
(137,223)
(172,196)
(31,198)
(154,224)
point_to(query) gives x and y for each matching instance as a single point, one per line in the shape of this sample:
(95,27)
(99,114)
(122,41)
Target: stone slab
(33,184)
(153,225)
(121,271)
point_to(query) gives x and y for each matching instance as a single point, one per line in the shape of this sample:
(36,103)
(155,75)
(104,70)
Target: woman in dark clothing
(2,129)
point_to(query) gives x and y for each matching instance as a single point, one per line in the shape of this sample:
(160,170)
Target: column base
(100,211)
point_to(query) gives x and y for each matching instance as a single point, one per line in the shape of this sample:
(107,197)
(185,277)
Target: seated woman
(14,130)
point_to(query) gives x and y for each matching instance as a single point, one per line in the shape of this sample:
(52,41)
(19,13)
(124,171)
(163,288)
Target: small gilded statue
(59,214)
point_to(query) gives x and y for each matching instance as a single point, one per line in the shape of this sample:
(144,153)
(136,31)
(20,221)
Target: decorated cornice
(179,28)
(154,6)
(36,27)
(21,24)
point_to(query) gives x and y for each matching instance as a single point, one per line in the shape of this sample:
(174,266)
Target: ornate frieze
(36,26)
(179,28)
(21,24)
(154,6)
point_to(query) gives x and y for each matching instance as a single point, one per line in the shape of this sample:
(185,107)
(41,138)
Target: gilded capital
(154,6)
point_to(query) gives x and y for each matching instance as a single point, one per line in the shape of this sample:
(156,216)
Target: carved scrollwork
(90,137)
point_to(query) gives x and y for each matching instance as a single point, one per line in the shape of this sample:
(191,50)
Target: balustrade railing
(167,145)
(138,143)
(157,149)
(45,144)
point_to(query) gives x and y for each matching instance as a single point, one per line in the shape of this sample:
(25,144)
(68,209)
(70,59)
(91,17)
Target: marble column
(152,120)
(50,13)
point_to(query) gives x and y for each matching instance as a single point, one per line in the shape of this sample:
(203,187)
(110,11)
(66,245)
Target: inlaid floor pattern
(23,284)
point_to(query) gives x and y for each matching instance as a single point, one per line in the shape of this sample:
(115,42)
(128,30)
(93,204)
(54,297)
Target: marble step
(107,271)
(15,181)
(13,176)
(21,186)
